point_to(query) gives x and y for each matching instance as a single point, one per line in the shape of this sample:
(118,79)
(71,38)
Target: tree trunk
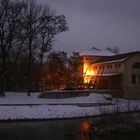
(2,77)
(2,85)
(29,71)
(40,73)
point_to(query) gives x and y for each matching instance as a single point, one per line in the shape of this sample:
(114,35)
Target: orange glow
(85,68)
(88,72)
(49,77)
(85,127)
(86,79)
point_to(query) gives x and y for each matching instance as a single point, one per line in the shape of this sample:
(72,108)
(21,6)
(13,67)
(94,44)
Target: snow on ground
(22,98)
(43,111)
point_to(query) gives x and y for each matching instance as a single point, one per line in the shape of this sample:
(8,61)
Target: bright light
(88,70)
(88,73)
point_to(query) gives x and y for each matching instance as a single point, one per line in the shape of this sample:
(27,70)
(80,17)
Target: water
(75,129)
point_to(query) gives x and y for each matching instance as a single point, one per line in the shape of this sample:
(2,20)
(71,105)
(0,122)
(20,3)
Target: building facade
(120,73)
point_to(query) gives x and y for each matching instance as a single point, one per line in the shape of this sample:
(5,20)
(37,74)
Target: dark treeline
(27,33)
(62,71)
(58,71)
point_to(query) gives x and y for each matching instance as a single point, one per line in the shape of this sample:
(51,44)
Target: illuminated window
(133,79)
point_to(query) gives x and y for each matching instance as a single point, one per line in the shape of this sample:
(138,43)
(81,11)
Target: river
(73,129)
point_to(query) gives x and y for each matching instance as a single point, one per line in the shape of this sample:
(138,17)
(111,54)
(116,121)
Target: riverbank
(18,106)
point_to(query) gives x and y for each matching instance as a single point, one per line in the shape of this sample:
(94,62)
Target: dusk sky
(99,23)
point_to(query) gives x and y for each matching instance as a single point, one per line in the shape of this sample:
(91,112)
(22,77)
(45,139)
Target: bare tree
(29,28)
(114,50)
(51,25)
(10,17)
(75,75)
(56,69)
(41,26)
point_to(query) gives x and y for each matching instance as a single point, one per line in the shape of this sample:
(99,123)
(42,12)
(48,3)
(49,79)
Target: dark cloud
(99,23)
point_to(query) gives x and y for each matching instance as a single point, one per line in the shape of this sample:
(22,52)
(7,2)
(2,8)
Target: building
(120,73)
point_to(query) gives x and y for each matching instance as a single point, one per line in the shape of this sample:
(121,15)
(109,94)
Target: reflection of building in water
(105,70)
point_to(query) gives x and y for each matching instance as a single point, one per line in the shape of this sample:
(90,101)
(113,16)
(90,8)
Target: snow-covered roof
(96,52)
(115,58)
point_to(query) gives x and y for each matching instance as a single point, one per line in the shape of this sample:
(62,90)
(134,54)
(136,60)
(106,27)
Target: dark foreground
(75,129)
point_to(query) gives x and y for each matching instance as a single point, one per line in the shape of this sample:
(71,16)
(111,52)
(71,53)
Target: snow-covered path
(43,111)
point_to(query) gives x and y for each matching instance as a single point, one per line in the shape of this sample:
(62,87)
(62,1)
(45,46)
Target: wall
(108,68)
(131,91)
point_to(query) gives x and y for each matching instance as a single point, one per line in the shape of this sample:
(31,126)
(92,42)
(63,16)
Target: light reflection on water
(75,129)
(85,130)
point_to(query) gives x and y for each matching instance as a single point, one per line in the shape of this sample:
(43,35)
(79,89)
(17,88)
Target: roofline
(113,61)
(96,55)
(118,60)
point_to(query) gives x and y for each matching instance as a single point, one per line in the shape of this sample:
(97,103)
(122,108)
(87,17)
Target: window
(136,65)
(133,79)
(107,66)
(110,66)
(119,65)
(139,79)
(116,65)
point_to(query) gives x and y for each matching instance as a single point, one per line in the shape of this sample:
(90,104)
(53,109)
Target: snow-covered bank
(49,111)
